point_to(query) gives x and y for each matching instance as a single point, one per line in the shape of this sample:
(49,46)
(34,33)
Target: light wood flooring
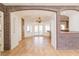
(28,48)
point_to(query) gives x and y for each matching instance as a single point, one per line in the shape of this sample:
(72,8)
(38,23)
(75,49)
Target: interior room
(39,29)
(37,25)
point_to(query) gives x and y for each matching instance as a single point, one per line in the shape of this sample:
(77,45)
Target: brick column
(7,30)
(57,27)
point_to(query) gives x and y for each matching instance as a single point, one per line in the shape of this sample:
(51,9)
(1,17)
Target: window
(29,28)
(38,29)
(62,27)
(47,28)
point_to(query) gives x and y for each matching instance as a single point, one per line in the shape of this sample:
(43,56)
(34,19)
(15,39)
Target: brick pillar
(6,30)
(57,27)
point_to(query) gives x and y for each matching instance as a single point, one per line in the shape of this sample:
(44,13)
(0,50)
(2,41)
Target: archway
(31,17)
(73,20)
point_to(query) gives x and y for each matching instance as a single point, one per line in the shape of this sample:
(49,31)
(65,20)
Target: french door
(38,29)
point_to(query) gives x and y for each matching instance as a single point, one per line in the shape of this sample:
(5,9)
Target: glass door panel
(47,28)
(40,29)
(36,30)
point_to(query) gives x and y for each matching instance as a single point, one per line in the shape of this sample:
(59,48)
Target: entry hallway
(29,47)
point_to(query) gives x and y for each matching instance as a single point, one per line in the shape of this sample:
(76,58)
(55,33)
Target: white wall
(53,31)
(74,22)
(15,30)
(1,31)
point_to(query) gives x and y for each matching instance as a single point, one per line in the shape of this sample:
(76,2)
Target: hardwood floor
(28,48)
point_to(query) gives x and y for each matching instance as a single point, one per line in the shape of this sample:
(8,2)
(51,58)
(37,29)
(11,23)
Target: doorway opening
(36,27)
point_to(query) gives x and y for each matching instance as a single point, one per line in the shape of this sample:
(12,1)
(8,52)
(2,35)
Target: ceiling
(34,13)
(45,4)
(70,13)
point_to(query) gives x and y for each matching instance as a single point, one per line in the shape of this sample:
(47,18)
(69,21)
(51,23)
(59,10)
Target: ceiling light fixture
(39,20)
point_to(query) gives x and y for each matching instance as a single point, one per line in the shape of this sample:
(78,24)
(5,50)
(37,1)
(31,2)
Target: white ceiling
(69,12)
(34,13)
(48,4)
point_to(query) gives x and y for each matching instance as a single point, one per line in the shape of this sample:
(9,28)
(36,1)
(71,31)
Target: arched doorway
(38,19)
(72,19)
